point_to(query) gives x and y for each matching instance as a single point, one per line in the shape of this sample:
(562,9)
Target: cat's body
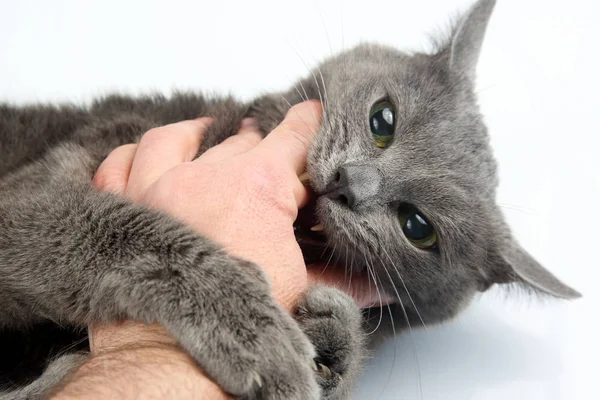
(70,255)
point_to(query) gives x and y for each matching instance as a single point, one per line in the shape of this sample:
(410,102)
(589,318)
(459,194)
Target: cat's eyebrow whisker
(405,288)
(325,97)
(323,83)
(303,97)
(306,98)
(303,90)
(324,28)
(302,119)
(311,73)
(524,210)
(316,83)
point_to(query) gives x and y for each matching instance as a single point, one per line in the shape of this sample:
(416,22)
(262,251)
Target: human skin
(250,195)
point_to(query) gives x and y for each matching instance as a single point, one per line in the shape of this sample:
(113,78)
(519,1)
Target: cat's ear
(467,38)
(513,264)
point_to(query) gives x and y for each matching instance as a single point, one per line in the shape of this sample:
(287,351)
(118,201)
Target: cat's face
(406,180)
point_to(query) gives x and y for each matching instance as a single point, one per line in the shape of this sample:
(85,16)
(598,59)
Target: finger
(247,138)
(161,149)
(288,144)
(113,173)
(286,148)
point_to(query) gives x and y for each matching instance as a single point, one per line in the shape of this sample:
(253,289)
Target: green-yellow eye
(416,227)
(381,120)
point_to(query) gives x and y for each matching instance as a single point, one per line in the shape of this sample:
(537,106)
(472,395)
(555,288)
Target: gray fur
(52,377)
(73,256)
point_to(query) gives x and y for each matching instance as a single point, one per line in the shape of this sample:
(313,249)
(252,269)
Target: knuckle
(247,141)
(155,136)
(107,181)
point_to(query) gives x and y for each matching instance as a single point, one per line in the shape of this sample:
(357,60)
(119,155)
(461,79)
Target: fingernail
(249,123)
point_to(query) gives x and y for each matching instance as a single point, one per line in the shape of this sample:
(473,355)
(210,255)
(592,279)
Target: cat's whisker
(488,87)
(412,341)
(512,207)
(337,258)
(73,345)
(405,288)
(371,272)
(346,264)
(351,270)
(389,378)
(328,261)
(393,326)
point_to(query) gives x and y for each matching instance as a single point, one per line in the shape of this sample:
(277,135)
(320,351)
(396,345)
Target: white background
(538,87)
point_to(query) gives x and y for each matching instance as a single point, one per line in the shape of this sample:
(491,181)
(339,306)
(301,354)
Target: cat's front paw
(333,323)
(238,334)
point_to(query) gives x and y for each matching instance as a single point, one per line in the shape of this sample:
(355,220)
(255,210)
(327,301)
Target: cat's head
(406,179)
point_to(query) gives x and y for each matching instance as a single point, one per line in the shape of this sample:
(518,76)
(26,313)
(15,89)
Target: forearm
(146,367)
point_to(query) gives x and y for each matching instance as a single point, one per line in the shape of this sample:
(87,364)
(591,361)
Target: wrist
(150,367)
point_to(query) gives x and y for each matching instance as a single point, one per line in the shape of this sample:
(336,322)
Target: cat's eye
(382,119)
(417,229)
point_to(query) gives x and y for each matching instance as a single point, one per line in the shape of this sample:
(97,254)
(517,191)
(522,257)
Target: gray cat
(404,182)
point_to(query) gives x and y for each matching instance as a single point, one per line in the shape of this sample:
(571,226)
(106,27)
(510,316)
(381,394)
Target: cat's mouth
(310,234)
(323,264)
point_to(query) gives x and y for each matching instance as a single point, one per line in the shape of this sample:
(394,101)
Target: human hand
(243,193)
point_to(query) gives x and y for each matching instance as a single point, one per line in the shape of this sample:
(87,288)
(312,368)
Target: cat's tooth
(317,228)
(305,179)
(257,379)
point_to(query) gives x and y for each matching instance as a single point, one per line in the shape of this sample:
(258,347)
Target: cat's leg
(71,254)
(333,323)
(54,374)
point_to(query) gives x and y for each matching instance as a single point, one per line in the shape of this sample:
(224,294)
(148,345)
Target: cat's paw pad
(332,321)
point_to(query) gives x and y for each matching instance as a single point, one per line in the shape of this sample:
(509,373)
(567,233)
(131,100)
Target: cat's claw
(333,323)
(247,344)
